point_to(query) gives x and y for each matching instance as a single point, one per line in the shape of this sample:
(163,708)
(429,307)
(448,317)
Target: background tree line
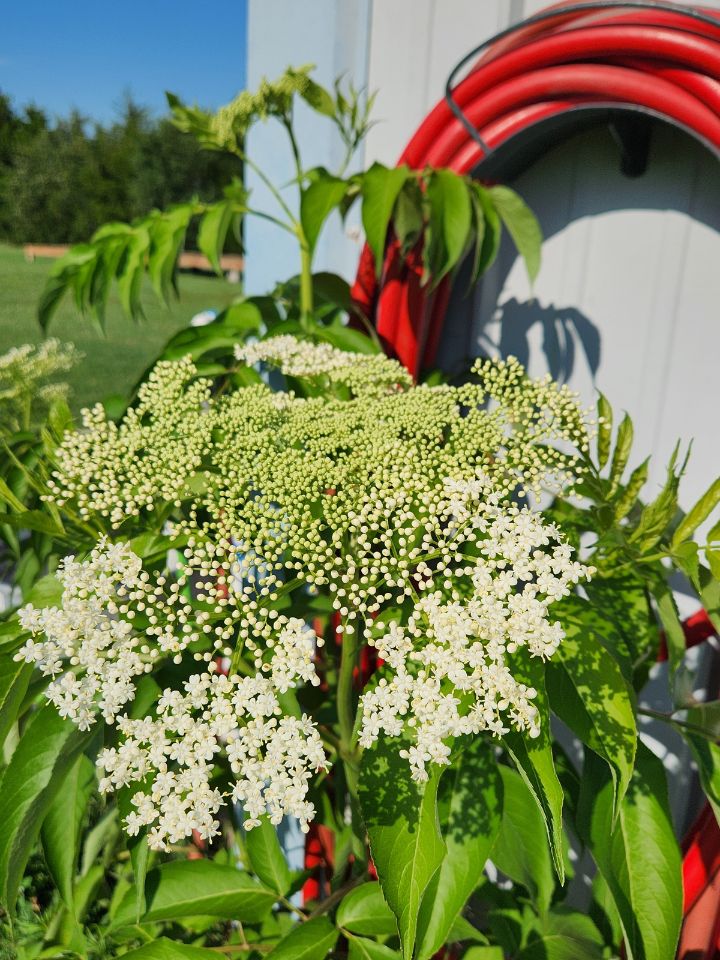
(60,180)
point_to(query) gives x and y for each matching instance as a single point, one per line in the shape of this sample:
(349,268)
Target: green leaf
(311,940)
(213,230)
(164,949)
(380,189)
(407,220)
(521,850)
(588,692)
(190,888)
(346,338)
(14,681)
(365,910)
(318,98)
(449,209)
(638,857)
(318,200)
(704,716)
(130,277)
(361,949)
(488,230)
(33,520)
(707,758)
(670,619)
(698,514)
(604,435)
(627,497)
(9,497)
(38,767)
(462,930)
(60,831)
(137,847)
(534,761)
(564,935)
(470,803)
(522,226)
(621,454)
(402,824)
(484,953)
(266,857)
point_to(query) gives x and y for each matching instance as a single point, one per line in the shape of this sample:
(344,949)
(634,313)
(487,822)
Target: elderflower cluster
(453,665)
(92,634)
(300,358)
(24,372)
(384,496)
(272,758)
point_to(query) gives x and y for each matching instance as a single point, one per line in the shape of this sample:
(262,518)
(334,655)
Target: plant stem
(346,705)
(306,285)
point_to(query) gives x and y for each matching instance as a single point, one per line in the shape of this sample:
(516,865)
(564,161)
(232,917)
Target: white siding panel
(628,297)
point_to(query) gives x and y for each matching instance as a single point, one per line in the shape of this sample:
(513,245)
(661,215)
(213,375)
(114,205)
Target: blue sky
(87,54)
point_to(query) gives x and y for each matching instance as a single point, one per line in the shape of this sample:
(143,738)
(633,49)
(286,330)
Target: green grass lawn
(113,362)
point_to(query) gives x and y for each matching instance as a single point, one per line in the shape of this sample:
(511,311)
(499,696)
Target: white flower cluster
(23,371)
(117,471)
(305,359)
(95,649)
(87,635)
(380,494)
(451,664)
(272,757)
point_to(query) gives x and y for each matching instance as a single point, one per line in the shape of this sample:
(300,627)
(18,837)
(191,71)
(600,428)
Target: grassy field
(111,362)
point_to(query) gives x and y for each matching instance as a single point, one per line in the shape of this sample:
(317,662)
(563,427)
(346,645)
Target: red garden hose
(659,59)
(655,58)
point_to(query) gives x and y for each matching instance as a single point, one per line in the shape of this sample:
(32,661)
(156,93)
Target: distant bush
(60,181)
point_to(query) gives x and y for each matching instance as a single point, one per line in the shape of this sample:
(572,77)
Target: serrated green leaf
(447,200)
(129,281)
(470,804)
(60,833)
(402,824)
(311,940)
(38,767)
(627,497)
(697,515)
(605,425)
(534,762)
(638,857)
(266,858)
(365,910)
(672,625)
(380,188)
(621,454)
(407,219)
(213,229)
(588,692)
(318,200)
(189,888)
(521,850)
(522,225)
(488,231)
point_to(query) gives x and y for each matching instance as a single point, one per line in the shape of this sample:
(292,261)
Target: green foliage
(60,182)
(637,853)
(514,800)
(405,841)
